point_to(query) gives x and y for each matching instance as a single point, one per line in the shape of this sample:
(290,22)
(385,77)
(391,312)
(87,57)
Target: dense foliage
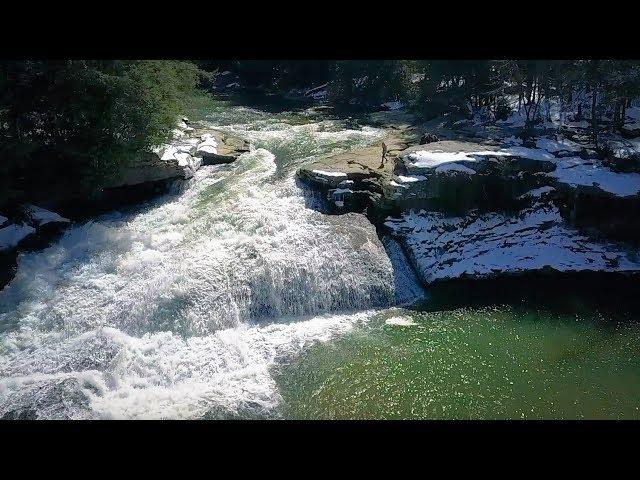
(82,120)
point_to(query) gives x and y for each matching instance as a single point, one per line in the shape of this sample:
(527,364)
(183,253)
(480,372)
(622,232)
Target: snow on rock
(3,219)
(324,173)
(576,171)
(579,172)
(396,184)
(179,153)
(569,170)
(433,159)
(393,105)
(530,153)
(42,216)
(490,244)
(632,118)
(208,146)
(559,145)
(537,192)
(411,179)
(455,168)
(12,235)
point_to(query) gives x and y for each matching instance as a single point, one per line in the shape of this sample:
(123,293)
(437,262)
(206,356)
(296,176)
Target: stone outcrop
(492,244)
(466,209)
(190,148)
(217,147)
(33,228)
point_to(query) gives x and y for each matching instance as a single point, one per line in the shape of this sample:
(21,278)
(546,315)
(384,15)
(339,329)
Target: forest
(84,120)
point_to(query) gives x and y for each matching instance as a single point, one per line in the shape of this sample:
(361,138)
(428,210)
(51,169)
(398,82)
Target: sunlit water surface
(234,298)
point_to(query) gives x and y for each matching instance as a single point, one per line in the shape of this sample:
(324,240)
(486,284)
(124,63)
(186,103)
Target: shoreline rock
(483,209)
(35,229)
(150,175)
(190,149)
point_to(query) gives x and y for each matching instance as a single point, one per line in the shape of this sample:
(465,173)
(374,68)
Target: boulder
(217,147)
(161,164)
(182,157)
(456,176)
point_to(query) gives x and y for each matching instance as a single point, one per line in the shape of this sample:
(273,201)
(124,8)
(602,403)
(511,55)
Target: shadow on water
(614,295)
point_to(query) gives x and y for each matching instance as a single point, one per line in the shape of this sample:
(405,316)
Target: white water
(183,308)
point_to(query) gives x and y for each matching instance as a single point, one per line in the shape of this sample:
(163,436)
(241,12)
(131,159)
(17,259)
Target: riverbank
(151,174)
(236,297)
(485,206)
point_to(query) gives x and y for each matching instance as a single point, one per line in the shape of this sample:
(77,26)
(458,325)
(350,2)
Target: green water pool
(509,361)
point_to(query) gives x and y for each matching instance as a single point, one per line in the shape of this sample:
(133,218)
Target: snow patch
(488,244)
(579,172)
(329,174)
(42,216)
(433,159)
(537,192)
(455,168)
(12,235)
(417,178)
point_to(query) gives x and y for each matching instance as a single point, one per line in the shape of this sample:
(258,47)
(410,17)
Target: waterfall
(180,308)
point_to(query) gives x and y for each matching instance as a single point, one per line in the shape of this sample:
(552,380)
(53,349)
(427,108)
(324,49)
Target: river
(234,296)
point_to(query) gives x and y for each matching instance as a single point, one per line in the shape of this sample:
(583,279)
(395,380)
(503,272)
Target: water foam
(153,314)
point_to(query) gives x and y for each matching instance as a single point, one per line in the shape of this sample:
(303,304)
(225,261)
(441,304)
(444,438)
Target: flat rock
(488,245)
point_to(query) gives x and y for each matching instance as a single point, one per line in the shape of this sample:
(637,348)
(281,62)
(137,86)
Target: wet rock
(33,228)
(218,147)
(181,158)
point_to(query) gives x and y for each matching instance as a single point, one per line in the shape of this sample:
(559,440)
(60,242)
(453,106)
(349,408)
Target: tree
(83,120)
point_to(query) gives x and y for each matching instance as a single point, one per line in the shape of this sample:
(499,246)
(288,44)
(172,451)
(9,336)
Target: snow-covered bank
(571,171)
(553,188)
(492,244)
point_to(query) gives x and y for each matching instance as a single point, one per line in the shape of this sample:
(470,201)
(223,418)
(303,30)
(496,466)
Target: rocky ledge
(466,209)
(192,147)
(33,228)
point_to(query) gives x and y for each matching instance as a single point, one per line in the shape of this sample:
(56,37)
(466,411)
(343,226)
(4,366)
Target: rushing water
(179,308)
(234,298)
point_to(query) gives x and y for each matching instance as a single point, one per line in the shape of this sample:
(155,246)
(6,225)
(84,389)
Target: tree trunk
(594,120)
(594,101)
(519,101)
(616,114)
